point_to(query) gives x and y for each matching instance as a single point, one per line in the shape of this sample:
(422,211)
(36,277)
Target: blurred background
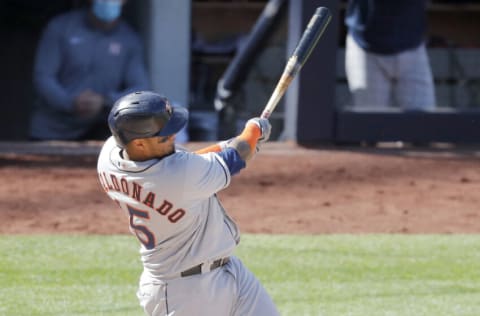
(206,36)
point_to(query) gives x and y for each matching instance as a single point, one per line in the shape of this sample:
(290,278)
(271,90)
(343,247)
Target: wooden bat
(314,30)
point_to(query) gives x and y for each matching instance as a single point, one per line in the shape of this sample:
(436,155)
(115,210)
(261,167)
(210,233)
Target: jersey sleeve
(206,174)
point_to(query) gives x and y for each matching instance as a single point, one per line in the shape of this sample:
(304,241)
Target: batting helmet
(144,114)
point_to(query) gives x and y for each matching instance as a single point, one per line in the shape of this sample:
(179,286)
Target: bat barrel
(314,30)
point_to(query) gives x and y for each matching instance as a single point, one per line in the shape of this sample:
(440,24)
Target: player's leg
(211,293)
(228,290)
(152,298)
(368,81)
(415,89)
(251,299)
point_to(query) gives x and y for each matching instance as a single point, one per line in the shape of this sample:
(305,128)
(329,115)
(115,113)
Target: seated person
(85,60)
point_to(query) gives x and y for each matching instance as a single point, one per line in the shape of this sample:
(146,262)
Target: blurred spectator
(386,60)
(86,60)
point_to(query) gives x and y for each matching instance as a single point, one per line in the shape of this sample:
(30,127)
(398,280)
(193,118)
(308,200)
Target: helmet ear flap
(144,114)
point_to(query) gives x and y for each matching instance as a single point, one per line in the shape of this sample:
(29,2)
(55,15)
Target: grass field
(364,275)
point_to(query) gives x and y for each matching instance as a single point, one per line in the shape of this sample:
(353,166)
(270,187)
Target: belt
(198,268)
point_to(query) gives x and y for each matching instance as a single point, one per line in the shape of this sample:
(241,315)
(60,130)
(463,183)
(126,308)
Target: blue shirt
(73,56)
(386,26)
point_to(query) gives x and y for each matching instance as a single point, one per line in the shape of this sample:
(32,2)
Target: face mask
(107,11)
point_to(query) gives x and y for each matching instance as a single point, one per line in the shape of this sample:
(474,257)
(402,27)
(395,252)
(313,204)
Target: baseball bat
(314,30)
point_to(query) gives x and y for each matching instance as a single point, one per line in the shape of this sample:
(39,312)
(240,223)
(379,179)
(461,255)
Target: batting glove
(265,128)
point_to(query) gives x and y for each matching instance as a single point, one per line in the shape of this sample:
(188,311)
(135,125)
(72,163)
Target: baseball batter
(187,239)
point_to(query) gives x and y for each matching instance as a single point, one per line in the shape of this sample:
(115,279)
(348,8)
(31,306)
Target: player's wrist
(224,143)
(251,133)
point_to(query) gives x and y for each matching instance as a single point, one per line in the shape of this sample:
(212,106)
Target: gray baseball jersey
(175,214)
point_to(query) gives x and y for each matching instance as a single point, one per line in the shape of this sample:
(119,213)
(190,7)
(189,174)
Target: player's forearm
(243,147)
(245,143)
(215,148)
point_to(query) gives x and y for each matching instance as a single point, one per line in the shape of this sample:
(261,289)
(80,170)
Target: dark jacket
(71,57)
(387,26)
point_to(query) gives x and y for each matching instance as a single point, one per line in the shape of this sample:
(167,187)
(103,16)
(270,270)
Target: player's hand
(88,104)
(265,128)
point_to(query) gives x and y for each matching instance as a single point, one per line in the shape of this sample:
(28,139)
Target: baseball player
(187,239)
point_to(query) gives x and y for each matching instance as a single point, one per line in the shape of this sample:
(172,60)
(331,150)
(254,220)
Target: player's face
(150,148)
(161,146)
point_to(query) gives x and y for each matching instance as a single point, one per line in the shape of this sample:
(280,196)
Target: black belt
(198,268)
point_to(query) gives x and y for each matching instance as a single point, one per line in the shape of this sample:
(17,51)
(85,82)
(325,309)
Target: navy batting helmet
(144,114)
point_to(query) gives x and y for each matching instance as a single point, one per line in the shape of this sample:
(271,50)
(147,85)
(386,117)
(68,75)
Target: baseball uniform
(187,239)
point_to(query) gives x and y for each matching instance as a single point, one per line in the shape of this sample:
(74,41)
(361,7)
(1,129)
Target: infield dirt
(285,189)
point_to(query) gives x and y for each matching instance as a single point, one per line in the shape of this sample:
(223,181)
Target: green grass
(364,275)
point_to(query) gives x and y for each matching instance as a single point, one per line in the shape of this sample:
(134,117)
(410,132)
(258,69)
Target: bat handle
(265,114)
(274,99)
(290,71)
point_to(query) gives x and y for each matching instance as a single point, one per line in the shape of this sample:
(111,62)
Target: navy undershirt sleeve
(233,160)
